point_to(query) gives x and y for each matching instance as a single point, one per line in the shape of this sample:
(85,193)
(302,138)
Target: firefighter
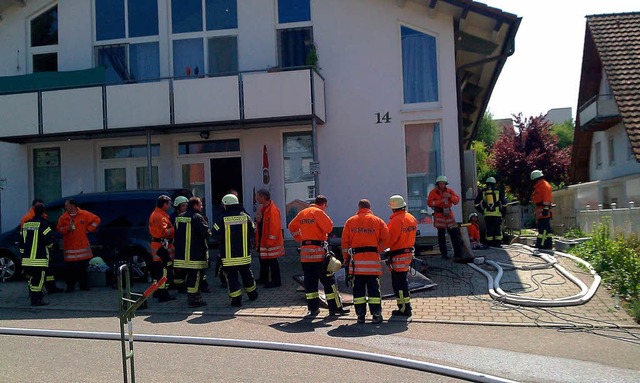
(74,225)
(311,227)
(363,237)
(402,237)
(50,281)
(36,238)
(269,240)
(542,198)
(177,274)
(162,250)
(234,229)
(191,250)
(490,203)
(474,231)
(441,199)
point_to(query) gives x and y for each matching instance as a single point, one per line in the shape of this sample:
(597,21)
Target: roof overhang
(6,4)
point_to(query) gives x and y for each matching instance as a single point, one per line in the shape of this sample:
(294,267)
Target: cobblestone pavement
(461,296)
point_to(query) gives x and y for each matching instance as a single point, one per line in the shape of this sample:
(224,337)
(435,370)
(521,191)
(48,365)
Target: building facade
(351,99)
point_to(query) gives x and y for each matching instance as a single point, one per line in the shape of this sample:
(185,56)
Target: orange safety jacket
(363,237)
(269,234)
(29,216)
(75,243)
(402,236)
(542,198)
(474,231)
(311,227)
(443,215)
(160,227)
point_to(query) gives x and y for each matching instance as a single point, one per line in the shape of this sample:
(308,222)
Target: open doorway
(226,173)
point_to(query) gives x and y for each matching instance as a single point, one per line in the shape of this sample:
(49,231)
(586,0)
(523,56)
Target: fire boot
(195,300)
(52,288)
(36,299)
(164,296)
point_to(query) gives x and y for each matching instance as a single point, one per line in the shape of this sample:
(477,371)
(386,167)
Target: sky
(544,71)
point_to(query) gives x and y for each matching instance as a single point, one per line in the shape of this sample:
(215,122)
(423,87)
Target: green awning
(52,80)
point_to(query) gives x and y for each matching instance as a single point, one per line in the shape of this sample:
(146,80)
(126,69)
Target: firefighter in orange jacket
(162,250)
(74,225)
(311,228)
(269,240)
(363,237)
(402,237)
(441,199)
(49,281)
(542,198)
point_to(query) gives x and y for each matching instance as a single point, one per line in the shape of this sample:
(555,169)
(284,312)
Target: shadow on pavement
(301,326)
(355,330)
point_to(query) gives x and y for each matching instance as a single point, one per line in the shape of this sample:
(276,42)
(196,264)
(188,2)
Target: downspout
(149,165)
(503,56)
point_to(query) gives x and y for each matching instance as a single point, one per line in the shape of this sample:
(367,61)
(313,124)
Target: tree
(564,132)
(483,169)
(530,146)
(487,130)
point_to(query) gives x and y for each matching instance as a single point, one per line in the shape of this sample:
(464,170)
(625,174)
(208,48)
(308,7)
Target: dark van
(122,237)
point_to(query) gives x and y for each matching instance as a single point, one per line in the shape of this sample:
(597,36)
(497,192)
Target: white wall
(624,163)
(15,197)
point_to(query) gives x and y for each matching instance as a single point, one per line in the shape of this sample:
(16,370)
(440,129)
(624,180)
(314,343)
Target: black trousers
(366,289)
(77,273)
(194,280)
(494,232)
(545,235)
(314,272)
(234,274)
(35,278)
(401,289)
(456,241)
(270,267)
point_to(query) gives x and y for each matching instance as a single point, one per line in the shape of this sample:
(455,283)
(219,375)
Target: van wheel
(9,267)
(138,265)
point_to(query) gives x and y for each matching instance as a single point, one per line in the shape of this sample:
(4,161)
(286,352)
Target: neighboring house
(558,115)
(605,167)
(353,99)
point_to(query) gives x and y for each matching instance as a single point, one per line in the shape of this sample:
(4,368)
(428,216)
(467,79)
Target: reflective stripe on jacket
(233,230)
(191,249)
(36,237)
(160,227)
(75,243)
(269,233)
(402,235)
(489,202)
(311,223)
(443,215)
(29,216)
(542,198)
(364,229)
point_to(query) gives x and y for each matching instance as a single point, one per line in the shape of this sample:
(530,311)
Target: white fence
(624,220)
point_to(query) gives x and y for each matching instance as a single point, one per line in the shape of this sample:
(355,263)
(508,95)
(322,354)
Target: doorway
(226,173)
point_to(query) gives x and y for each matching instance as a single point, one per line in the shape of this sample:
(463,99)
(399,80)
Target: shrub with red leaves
(529,146)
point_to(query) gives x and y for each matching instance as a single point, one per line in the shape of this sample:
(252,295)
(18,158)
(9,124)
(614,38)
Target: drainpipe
(502,56)
(149,168)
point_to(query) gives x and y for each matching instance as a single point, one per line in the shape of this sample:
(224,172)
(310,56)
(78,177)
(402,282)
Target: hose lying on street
(585,294)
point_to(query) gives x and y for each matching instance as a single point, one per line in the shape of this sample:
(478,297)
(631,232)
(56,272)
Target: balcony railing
(599,113)
(242,99)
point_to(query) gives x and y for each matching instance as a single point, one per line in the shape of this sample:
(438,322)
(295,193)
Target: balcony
(248,99)
(599,114)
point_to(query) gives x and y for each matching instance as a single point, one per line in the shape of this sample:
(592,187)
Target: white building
(393,94)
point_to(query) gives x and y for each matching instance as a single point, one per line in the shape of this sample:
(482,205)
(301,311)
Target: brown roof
(617,39)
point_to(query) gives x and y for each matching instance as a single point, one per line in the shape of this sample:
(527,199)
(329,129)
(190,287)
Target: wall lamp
(204,134)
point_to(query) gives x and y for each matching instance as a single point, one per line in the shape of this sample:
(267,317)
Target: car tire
(9,267)
(138,261)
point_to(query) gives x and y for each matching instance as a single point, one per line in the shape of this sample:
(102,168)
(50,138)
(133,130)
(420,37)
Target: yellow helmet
(230,199)
(334,264)
(536,174)
(396,202)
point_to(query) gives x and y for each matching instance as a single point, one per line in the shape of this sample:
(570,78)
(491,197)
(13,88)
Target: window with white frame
(295,33)
(124,167)
(598,149)
(43,29)
(127,41)
(204,37)
(299,182)
(423,162)
(419,66)
(612,152)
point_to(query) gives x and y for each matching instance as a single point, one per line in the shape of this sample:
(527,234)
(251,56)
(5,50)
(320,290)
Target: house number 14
(380,118)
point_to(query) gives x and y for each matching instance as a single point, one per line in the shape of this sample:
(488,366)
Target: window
(44,41)
(299,183)
(130,151)
(129,42)
(419,66)
(125,167)
(142,177)
(214,146)
(47,180)
(598,155)
(211,46)
(423,161)
(612,152)
(295,41)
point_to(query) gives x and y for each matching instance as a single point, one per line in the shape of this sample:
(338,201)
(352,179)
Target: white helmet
(179,200)
(472,215)
(441,179)
(230,199)
(490,180)
(396,202)
(536,174)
